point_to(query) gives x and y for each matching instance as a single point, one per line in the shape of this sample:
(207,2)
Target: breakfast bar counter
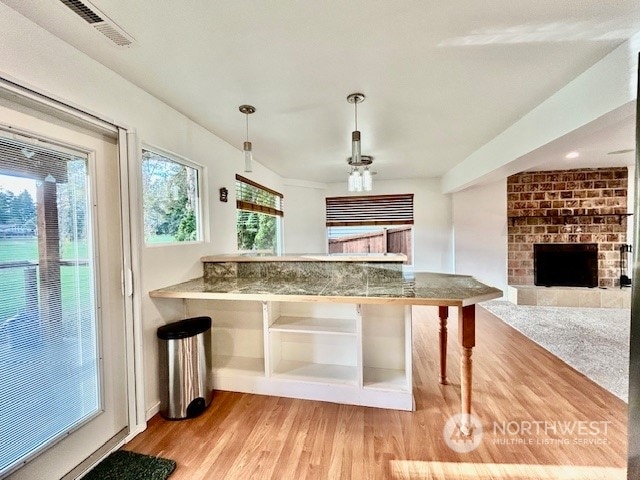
(326,327)
(422,288)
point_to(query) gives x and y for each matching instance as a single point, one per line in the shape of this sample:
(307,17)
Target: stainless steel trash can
(185,362)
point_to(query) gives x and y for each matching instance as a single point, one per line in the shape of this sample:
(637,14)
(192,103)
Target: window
(370,224)
(171,204)
(259,217)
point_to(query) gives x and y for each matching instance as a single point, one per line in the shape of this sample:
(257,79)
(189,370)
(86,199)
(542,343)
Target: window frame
(201,216)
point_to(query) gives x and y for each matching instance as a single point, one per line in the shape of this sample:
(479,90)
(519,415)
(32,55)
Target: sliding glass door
(62,367)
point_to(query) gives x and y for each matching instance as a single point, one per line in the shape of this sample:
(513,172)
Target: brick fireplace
(582,206)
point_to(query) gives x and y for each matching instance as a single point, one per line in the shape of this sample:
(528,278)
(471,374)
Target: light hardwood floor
(244,436)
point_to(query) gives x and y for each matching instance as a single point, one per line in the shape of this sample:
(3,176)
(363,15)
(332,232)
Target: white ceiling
(441,78)
(612,145)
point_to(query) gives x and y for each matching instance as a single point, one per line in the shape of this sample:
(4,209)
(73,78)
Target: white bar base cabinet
(357,354)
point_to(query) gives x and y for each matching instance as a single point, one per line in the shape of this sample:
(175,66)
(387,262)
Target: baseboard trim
(154,410)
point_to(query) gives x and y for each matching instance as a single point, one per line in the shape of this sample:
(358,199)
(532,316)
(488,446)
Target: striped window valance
(370,210)
(253,197)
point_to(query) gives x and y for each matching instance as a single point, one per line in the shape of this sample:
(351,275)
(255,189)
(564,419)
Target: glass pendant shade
(358,182)
(360,177)
(248,157)
(355,181)
(367,180)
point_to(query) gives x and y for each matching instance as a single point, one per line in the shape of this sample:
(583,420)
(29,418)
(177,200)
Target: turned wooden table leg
(467,337)
(443,312)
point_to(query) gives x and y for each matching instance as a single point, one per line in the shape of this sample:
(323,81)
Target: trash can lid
(184,328)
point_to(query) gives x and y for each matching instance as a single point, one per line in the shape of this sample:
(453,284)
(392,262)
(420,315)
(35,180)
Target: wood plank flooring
(516,383)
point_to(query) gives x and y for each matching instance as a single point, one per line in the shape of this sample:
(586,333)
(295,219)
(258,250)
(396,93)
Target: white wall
(480,233)
(304,217)
(432,219)
(38,59)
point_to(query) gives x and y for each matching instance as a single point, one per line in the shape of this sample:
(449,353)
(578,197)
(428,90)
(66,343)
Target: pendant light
(358,181)
(248,154)
(355,98)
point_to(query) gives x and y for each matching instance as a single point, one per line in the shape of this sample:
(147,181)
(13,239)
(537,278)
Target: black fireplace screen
(565,264)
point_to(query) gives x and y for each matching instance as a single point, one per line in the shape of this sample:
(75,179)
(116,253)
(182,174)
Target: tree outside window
(258,217)
(170,200)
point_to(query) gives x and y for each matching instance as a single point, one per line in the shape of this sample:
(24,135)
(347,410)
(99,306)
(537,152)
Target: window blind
(370,210)
(253,197)
(49,364)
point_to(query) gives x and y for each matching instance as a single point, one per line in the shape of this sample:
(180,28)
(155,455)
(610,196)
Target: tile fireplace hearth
(569,296)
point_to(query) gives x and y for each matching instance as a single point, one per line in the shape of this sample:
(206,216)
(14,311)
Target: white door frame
(127,156)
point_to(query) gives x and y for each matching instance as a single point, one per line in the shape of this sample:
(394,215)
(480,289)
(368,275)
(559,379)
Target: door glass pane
(49,362)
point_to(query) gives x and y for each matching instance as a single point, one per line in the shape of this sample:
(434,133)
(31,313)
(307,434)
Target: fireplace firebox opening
(565,264)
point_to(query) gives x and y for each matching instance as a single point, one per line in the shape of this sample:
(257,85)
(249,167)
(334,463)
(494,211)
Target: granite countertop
(421,288)
(306,257)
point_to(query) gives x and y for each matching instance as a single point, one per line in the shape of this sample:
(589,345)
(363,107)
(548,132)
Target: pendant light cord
(247,117)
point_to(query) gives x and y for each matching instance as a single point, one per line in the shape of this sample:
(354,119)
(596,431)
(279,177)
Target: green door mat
(124,465)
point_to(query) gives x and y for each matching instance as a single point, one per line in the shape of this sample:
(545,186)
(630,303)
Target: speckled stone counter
(303,267)
(370,286)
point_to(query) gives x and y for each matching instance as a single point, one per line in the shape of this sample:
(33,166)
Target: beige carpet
(594,341)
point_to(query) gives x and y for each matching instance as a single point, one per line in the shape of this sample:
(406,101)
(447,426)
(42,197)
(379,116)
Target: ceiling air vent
(99,21)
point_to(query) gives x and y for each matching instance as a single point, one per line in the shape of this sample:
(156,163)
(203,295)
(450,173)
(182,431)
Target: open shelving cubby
(386,347)
(237,336)
(313,342)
